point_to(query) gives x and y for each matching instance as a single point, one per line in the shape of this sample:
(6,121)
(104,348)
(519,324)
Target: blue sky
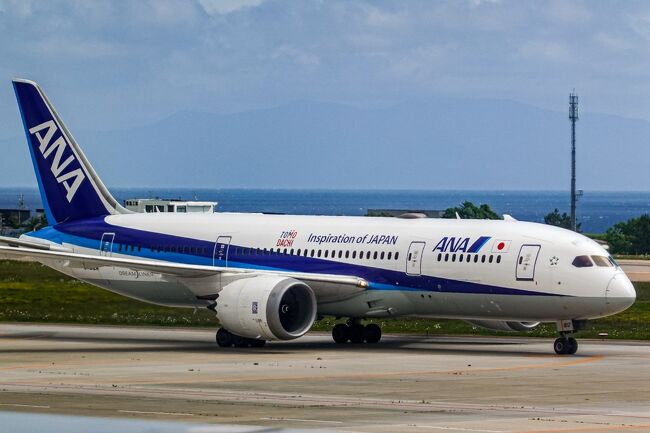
(117,65)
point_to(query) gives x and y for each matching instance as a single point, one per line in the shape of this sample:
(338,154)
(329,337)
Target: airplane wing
(28,249)
(16,242)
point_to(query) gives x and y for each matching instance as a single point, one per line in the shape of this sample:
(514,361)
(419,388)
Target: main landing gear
(356,333)
(228,339)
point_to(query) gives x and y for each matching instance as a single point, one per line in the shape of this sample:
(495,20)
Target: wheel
(372,333)
(572,346)
(224,338)
(238,341)
(341,333)
(257,343)
(357,333)
(561,346)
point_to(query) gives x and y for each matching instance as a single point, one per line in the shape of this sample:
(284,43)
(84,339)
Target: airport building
(149,205)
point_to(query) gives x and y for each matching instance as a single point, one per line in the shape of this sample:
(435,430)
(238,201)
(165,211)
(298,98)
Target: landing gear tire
(341,333)
(573,346)
(257,343)
(372,333)
(227,339)
(357,333)
(565,346)
(224,338)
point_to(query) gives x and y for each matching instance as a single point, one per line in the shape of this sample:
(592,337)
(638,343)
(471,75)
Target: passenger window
(284,251)
(374,256)
(319,252)
(354,254)
(491,258)
(483,258)
(469,258)
(476,258)
(453,257)
(602,261)
(298,253)
(460,257)
(340,253)
(446,257)
(347,254)
(582,262)
(382,256)
(498,259)
(396,256)
(368,255)
(390,254)
(326,253)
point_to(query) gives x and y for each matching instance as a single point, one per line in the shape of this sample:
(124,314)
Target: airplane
(269,276)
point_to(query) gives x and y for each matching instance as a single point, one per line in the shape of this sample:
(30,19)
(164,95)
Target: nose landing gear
(356,333)
(565,345)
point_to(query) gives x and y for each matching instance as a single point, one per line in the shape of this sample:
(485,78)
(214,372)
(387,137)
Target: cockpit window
(582,262)
(602,261)
(612,261)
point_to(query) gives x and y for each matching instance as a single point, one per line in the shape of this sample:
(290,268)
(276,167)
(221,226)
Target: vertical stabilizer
(69,187)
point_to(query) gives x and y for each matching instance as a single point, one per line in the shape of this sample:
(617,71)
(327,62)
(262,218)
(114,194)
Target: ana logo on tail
(72,179)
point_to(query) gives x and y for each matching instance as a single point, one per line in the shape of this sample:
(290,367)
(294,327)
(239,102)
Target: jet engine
(267,307)
(500,325)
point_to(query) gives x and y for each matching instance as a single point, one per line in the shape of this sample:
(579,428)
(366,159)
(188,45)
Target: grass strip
(31,292)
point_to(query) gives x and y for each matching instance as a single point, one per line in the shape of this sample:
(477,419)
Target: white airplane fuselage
(423,267)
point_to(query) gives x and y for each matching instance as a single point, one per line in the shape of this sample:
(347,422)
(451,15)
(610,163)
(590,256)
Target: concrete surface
(636,270)
(403,384)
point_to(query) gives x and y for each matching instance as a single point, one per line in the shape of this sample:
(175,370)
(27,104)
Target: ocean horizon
(596,210)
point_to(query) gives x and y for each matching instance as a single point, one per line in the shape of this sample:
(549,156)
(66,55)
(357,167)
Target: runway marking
(25,405)
(144,412)
(302,420)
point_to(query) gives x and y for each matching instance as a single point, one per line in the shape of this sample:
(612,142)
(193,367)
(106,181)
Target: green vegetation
(469,210)
(630,237)
(560,220)
(30,292)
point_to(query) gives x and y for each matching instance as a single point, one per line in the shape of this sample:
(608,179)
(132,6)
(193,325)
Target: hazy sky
(133,62)
(113,65)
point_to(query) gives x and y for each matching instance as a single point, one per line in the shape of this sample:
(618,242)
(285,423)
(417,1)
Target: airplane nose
(620,293)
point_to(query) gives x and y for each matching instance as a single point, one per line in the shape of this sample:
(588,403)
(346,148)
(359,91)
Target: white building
(147,205)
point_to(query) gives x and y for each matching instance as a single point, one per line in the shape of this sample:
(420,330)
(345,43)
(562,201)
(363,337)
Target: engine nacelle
(500,325)
(267,307)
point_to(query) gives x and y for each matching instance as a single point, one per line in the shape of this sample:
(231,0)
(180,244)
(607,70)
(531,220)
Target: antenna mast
(573,117)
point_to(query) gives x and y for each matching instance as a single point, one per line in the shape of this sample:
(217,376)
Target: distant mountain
(439,143)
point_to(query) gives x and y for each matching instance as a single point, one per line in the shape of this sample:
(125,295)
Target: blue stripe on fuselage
(88,234)
(478,244)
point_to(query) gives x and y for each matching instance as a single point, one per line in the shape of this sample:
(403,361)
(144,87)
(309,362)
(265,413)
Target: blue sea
(597,211)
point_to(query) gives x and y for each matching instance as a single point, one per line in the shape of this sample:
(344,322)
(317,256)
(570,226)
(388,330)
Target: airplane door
(221,247)
(106,247)
(414,258)
(526,262)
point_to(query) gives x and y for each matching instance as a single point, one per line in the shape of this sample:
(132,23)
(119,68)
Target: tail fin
(70,188)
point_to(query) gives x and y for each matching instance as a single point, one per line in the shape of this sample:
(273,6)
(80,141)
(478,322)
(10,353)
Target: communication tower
(573,117)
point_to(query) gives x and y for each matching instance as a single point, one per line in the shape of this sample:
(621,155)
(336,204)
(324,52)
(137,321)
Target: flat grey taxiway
(404,383)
